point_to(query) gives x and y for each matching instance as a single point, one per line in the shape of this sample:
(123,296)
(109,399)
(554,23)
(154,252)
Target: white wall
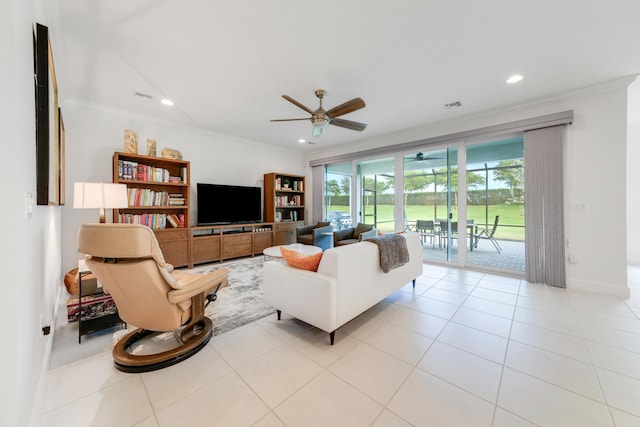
(38,250)
(93,134)
(595,175)
(633,174)
(31,247)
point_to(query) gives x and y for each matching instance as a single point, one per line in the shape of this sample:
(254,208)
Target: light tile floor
(462,349)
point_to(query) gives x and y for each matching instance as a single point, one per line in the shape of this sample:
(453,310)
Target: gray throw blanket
(393,250)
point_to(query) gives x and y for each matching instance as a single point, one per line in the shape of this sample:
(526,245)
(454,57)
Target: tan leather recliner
(149,293)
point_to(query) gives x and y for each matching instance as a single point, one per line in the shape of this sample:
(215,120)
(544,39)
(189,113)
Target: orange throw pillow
(298,260)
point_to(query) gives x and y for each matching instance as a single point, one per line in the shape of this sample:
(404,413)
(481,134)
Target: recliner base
(194,337)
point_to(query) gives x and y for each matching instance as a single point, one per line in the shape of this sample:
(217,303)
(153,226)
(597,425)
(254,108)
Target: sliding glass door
(377,193)
(475,219)
(338,198)
(495,202)
(360,192)
(430,201)
(490,201)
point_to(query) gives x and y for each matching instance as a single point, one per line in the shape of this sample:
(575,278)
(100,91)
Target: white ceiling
(226,64)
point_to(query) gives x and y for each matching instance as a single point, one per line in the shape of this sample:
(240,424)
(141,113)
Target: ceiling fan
(421,157)
(321,118)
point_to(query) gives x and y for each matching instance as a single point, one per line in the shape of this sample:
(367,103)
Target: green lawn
(510,226)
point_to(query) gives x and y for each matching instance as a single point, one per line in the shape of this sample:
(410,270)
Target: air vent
(454,104)
(143,95)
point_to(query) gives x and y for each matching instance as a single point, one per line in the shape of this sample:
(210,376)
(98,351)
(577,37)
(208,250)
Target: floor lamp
(99,195)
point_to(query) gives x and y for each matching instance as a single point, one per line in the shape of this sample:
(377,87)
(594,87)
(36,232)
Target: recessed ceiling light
(302,140)
(514,79)
(167,102)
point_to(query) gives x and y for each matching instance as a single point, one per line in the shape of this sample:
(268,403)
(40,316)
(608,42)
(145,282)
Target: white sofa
(349,281)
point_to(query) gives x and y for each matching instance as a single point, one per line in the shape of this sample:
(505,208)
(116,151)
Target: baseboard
(46,360)
(598,288)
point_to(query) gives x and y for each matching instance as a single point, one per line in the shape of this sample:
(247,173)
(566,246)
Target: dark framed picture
(49,151)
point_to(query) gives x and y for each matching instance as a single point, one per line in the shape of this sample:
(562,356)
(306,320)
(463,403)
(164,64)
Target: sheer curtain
(543,182)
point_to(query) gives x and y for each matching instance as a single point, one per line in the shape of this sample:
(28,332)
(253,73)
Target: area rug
(240,302)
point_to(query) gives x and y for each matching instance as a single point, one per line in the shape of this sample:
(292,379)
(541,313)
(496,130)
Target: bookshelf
(158,190)
(284,205)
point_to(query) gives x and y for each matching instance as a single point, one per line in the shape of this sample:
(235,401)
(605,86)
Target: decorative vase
(151,147)
(130,141)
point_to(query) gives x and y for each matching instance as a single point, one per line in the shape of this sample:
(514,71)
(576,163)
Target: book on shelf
(141,173)
(130,170)
(176,220)
(155,221)
(176,200)
(126,168)
(282,201)
(147,197)
(179,218)
(172,221)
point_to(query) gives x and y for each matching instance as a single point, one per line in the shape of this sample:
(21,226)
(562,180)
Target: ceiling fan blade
(347,107)
(288,120)
(296,103)
(348,124)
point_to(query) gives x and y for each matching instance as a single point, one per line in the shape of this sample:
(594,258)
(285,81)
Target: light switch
(578,207)
(28,207)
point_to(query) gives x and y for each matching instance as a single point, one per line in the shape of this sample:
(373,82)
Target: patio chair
(426,229)
(407,226)
(488,235)
(442,234)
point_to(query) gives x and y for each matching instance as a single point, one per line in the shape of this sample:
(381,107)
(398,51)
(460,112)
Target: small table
(106,312)
(274,251)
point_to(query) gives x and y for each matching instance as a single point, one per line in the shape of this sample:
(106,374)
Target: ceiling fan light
(319,122)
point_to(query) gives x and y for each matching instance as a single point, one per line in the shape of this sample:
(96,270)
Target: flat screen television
(228,204)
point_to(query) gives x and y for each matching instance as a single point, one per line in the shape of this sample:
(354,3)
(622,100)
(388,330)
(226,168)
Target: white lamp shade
(99,195)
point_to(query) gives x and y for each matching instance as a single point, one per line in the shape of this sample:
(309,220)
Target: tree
(415,181)
(345,185)
(511,172)
(380,185)
(473,180)
(333,189)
